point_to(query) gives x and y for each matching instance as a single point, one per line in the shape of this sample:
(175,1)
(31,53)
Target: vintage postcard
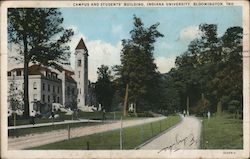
(124,79)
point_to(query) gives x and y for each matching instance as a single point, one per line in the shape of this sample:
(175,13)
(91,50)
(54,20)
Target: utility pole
(121,135)
(187,105)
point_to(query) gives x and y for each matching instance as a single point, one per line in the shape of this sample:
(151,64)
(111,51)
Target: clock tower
(81,72)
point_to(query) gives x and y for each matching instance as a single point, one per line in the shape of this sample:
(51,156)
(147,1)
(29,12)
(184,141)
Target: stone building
(48,85)
(81,73)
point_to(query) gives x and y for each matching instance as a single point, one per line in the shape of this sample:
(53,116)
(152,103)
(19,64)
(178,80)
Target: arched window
(34,85)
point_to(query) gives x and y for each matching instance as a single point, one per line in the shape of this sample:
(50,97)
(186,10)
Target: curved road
(34,140)
(185,135)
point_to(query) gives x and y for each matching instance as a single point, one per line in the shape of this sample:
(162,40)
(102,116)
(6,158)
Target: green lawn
(82,115)
(133,136)
(222,132)
(26,131)
(37,121)
(111,115)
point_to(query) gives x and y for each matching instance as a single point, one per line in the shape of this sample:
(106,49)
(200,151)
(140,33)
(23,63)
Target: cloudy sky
(103,29)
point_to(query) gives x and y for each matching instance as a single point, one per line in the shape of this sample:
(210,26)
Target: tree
(104,87)
(15,99)
(138,70)
(41,38)
(15,96)
(211,68)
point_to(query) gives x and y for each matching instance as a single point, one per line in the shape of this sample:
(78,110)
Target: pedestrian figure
(208,114)
(32,117)
(103,115)
(52,116)
(76,111)
(184,113)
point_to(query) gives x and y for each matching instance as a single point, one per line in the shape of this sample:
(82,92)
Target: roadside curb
(163,132)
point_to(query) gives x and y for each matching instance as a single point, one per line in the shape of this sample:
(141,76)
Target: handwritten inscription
(187,141)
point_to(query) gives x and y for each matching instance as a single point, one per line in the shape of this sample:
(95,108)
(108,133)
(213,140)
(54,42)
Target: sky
(103,29)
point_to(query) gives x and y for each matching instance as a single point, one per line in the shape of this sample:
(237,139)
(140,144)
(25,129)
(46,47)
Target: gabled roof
(35,69)
(81,45)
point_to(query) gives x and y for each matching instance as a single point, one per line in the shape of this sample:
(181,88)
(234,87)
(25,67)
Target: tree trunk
(187,105)
(219,108)
(135,112)
(26,79)
(125,101)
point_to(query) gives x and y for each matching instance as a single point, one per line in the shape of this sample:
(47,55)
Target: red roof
(81,45)
(36,69)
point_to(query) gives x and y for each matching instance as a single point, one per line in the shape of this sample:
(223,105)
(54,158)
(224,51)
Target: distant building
(48,85)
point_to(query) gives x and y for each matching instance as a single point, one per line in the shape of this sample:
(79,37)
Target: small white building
(48,85)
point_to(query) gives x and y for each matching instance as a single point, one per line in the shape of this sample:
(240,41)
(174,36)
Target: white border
(116,153)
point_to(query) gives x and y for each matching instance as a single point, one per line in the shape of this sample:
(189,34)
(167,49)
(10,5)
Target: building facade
(48,85)
(81,73)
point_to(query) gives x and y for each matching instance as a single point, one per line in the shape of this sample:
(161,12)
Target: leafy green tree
(138,70)
(104,88)
(15,99)
(41,37)
(170,99)
(15,96)
(210,69)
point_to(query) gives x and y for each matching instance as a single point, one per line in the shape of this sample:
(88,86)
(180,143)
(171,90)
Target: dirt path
(34,140)
(185,135)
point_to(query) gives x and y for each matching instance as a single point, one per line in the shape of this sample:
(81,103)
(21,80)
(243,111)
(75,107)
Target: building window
(35,97)
(48,88)
(43,86)
(58,99)
(79,63)
(48,98)
(43,98)
(9,73)
(58,89)
(85,63)
(53,88)
(34,85)
(18,73)
(54,99)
